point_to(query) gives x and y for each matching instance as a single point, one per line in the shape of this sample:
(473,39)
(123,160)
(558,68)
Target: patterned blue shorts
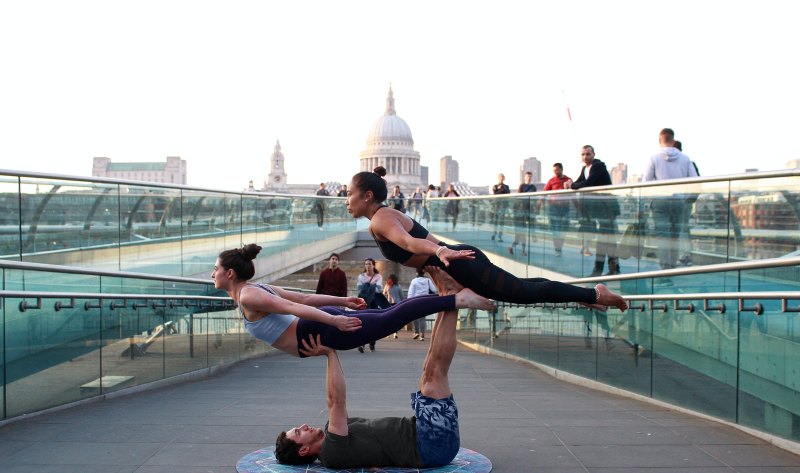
(438,440)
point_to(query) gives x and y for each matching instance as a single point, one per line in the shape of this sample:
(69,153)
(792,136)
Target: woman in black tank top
(400,239)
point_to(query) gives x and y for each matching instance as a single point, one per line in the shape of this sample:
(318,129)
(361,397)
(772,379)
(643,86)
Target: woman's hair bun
(380,170)
(250,251)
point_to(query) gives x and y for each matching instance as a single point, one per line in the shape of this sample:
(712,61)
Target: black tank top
(393,252)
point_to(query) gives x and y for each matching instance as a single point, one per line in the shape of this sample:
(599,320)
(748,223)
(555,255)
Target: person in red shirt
(557,206)
(332,280)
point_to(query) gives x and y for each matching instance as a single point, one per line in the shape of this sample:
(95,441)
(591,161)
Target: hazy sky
(217,83)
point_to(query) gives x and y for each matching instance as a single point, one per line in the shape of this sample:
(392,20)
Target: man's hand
(314,347)
(355,303)
(346,324)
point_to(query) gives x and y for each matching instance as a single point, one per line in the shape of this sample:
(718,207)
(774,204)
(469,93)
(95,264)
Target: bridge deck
(522,419)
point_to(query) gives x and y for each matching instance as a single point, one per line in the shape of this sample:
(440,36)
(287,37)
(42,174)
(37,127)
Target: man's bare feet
(606,297)
(446,284)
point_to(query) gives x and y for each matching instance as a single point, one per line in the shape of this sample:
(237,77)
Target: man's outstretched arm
(334,385)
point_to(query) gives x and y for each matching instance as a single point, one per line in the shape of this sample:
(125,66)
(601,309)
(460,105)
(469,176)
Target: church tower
(390,145)
(276,180)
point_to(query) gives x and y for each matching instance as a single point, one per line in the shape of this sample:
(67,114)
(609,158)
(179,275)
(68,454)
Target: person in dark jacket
(332,280)
(601,210)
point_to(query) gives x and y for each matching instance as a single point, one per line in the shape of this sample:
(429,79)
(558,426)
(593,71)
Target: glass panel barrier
(766,213)
(150,229)
(50,355)
(10,218)
(735,364)
(646,226)
(203,225)
(224,328)
(59,350)
(544,336)
(769,343)
(694,359)
(708,355)
(621,348)
(577,329)
(60,218)
(636,228)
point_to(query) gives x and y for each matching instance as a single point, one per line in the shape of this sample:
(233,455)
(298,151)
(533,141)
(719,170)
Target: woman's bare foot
(465,298)
(608,298)
(446,284)
(599,307)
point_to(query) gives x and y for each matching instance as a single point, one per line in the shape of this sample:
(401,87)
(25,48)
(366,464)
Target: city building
(532,165)
(276,180)
(619,174)
(463,189)
(448,171)
(171,171)
(390,145)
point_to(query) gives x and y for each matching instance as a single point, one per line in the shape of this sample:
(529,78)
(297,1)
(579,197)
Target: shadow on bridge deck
(521,418)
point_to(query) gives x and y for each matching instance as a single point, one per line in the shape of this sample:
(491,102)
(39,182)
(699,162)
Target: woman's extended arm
(319,300)
(390,227)
(260,301)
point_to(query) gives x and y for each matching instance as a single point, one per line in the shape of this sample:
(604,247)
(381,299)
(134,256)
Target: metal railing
(730,355)
(742,233)
(64,347)
(172,301)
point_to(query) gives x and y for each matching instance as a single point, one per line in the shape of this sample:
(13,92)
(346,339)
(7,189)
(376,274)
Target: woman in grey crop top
(401,239)
(285,318)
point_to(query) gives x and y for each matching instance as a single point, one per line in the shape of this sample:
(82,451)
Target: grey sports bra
(271,327)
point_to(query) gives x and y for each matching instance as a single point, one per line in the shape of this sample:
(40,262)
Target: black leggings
(375,323)
(488,280)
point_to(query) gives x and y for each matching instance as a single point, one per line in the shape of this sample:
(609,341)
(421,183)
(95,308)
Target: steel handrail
(693,180)
(710,268)
(788,295)
(638,185)
(22,265)
(108,295)
(706,297)
(184,300)
(124,182)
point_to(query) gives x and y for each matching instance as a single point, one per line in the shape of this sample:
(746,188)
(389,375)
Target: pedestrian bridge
(106,292)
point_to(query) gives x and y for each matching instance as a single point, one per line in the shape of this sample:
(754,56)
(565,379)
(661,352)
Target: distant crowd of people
(376,294)
(596,215)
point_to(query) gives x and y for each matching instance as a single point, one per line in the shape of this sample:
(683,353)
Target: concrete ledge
(106,382)
(788,445)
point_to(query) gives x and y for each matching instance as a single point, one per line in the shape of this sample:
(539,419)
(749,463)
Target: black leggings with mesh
(488,280)
(375,323)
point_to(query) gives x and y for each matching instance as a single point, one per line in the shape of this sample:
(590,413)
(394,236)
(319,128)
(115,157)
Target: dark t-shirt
(386,441)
